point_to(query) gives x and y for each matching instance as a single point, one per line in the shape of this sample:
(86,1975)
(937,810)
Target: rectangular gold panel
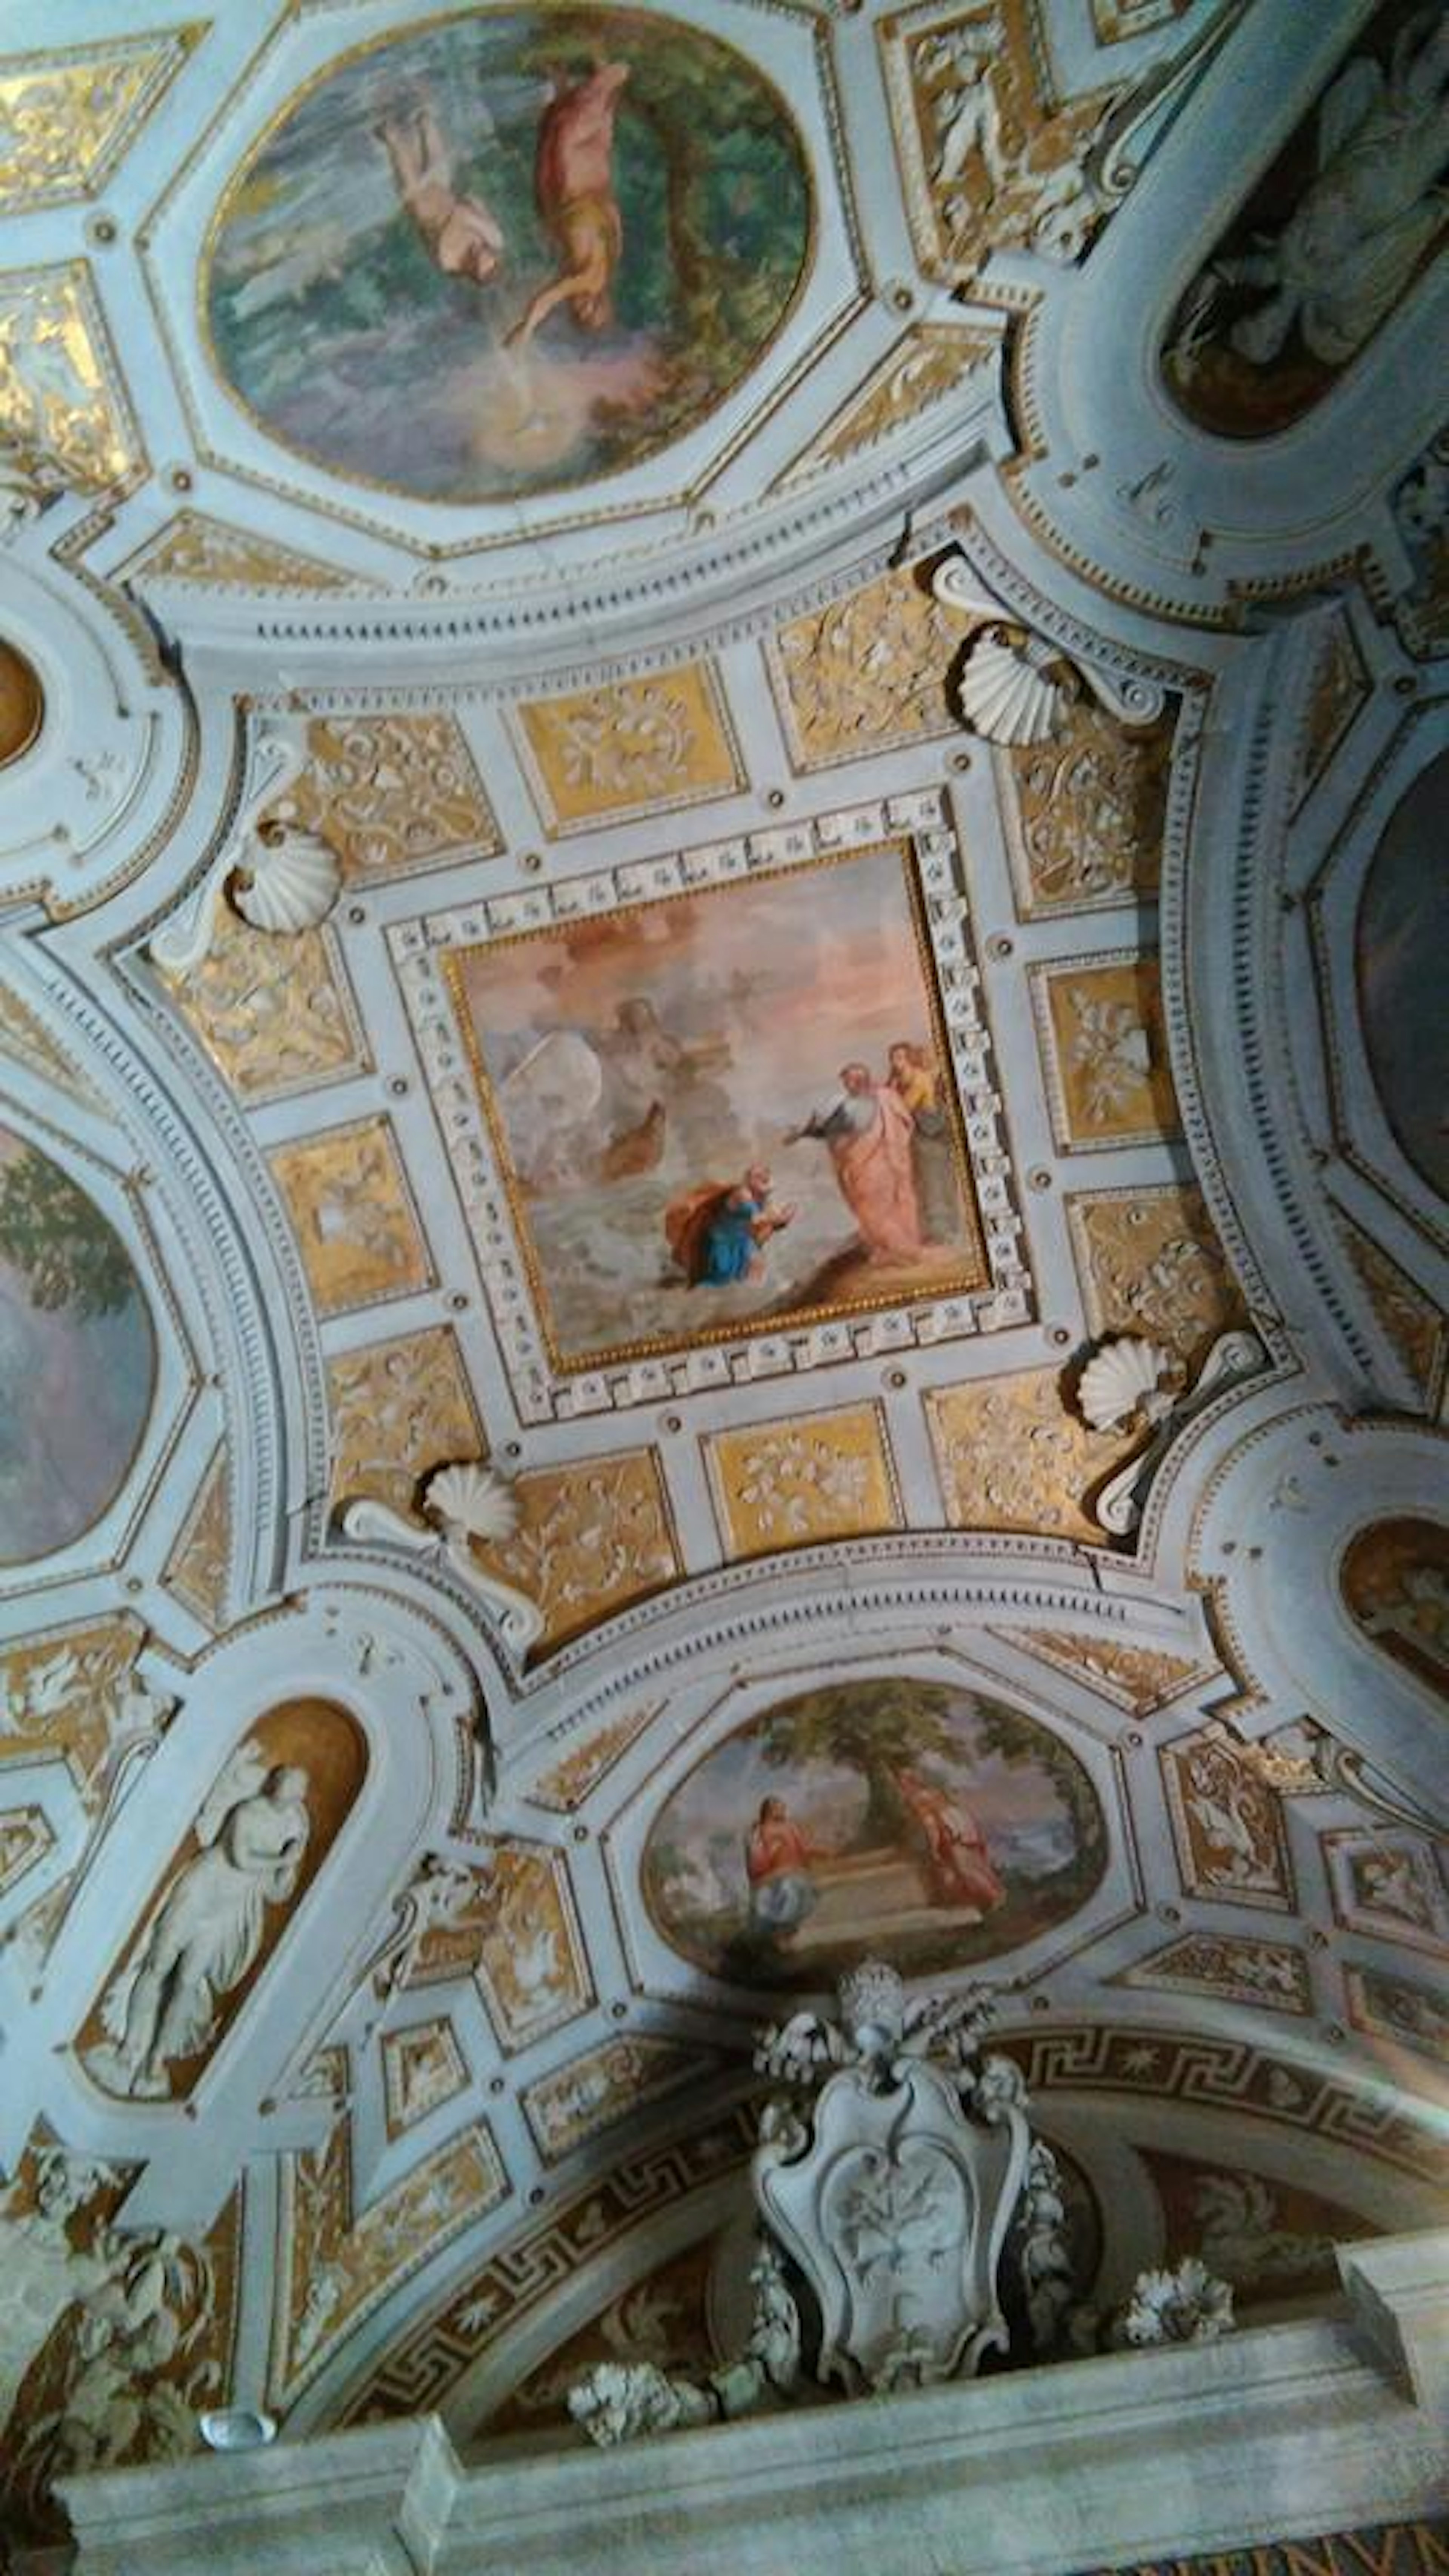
(1151,1265)
(637,746)
(353,1218)
(818,1476)
(1012,1456)
(1104,1046)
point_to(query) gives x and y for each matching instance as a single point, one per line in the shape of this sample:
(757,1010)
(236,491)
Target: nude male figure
(460,233)
(574,184)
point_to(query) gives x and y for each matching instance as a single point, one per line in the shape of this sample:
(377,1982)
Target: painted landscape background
(632,1061)
(77,1360)
(340,330)
(844,1759)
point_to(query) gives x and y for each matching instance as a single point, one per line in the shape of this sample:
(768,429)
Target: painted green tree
(878,1728)
(70,1257)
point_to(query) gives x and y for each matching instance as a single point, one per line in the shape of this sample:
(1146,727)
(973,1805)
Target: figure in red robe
(960,1865)
(573,179)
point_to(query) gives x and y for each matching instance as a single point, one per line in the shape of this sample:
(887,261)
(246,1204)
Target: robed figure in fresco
(870,1132)
(958,1862)
(459,232)
(779,1863)
(718,1233)
(574,186)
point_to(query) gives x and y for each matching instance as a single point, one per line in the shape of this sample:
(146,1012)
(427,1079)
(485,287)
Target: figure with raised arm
(574,186)
(460,233)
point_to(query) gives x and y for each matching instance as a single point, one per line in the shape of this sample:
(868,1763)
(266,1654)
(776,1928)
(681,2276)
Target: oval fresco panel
(927,1825)
(509,252)
(1403,922)
(77,1360)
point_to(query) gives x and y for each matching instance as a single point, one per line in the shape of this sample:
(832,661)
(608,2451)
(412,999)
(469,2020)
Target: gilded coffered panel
(1012,1455)
(596,2091)
(1267,1974)
(1141,1678)
(510,1921)
(66,1691)
(1390,1884)
(632,747)
(1409,1317)
(353,1216)
(390,793)
(868,672)
(1400,2011)
(25,1838)
(590,1538)
(790,1484)
(567,1783)
(63,404)
(398,1409)
(1338,689)
(275,1016)
(1085,811)
(929,362)
(1150,1263)
(197,550)
(196,1571)
(66,118)
(1104,1045)
(335,2263)
(422,2068)
(1227,1824)
(29,1043)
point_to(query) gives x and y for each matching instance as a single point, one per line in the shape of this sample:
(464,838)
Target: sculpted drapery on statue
(252,1830)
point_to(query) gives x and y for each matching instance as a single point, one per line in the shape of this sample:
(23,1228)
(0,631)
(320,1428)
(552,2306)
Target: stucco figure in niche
(930,1821)
(256,1842)
(1328,242)
(1395,1579)
(509,252)
(1403,923)
(77,1359)
(724,1109)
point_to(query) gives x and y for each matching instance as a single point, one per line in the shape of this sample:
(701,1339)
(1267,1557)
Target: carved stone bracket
(1028,700)
(279,878)
(466,1502)
(1131,1383)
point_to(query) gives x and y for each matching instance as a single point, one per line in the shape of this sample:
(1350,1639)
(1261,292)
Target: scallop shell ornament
(1127,1381)
(1008,691)
(471,1502)
(288,882)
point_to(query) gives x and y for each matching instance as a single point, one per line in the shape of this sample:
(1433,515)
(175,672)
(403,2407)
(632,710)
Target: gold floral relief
(1115,21)
(1339,688)
(1085,812)
(353,1218)
(1409,1317)
(590,1538)
(1011,1455)
(274,1015)
(67,117)
(25,1838)
(336,2266)
(1150,1264)
(927,364)
(197,1568)
(391,793)
(1105,1048)
(1140,1678)
(661,740)
(662,2318)
(399,1409)
(62,407)
(566,1784)
(65,1691)
(787,1484)
(606,2085)
(1238,1969)
(870,671)
(514,1927)
(27,1041)
(992,161)
(1399,2010)
(1227,1823)
(422,2068)
(196,549)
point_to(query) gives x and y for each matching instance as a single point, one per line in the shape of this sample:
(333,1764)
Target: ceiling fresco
(721,1223)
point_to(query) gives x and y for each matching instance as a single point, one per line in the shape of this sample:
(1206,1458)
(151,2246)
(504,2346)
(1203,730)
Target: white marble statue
(252,1831)
(1363,222)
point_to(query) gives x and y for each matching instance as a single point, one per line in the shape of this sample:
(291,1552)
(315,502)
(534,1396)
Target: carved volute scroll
(203,1940)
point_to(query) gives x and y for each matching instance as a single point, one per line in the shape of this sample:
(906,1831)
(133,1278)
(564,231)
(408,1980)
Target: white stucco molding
(1281,2432)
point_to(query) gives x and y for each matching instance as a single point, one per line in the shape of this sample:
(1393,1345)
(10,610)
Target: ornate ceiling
(719,748)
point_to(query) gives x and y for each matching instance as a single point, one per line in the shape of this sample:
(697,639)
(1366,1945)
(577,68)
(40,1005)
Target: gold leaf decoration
(1085,812)
(66,118)
(422,2068)
(568,1783)
(391,793)
(868,672)
(1012,1456)
(786,1484)
(1239,1969)
(633,746)
(274,1015)
(589,2093)
(199,1563)
(1105,1047)
(1136,1677)
(398,1409)
(27,1041)
(1409,1317)
(927,364)
(62,407)
(1151,1265)
(353,1217)
(206,554)
(590,1538)
(63,1690)
(1226,1822)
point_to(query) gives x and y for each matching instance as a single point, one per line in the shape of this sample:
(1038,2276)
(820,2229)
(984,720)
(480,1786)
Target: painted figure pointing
(574,185)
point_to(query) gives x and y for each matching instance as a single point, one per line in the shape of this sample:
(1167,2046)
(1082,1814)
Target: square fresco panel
(726,1111)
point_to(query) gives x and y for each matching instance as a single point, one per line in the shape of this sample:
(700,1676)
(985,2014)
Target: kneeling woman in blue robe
(717,1234)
